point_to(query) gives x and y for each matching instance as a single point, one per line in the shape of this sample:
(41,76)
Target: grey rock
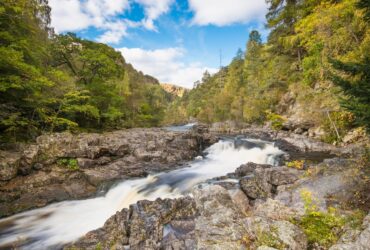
(146,225)
(219,224)
(283,233)
(252,188)
(283,175)
(361,242)
(249,168)
(8,165)
(264,179)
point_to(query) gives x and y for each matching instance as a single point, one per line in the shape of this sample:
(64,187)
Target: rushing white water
(64,222)
(182,128)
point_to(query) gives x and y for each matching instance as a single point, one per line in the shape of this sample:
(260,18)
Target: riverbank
(323,206)
(63,166)
(300,204)
(232,205)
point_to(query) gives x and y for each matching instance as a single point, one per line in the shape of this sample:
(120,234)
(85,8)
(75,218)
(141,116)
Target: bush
(275,119)
(298,164)
(268,237)
(70,163)
(322,228)
(343,121)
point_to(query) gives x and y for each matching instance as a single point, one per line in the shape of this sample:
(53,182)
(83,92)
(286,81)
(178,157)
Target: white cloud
(166,65)
(226,12)
(75,15)
(67,15)
(153,9)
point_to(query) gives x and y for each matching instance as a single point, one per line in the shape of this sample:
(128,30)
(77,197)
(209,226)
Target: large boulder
(159,224)
(361,240)
(274,233)
(9,163)
(249,168)
(263,180)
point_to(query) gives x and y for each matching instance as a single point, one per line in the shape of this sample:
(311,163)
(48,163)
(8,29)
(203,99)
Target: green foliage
(54,82)
(275,119)
(241,91)
(98,246)
(343,122)
(357,90)
(322,228)
(269,238)
(355,219)
(365,5)
(306,38)
(69,163)
(297,164)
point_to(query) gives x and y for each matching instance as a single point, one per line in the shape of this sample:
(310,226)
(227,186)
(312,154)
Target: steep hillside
(313,70)
(53,82)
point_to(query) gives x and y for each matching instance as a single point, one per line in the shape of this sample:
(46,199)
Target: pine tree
(357,90)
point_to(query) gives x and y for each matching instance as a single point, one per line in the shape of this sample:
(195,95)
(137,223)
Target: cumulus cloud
(67,15)
(153,9)
(166,65)
(222,12)
(75,15)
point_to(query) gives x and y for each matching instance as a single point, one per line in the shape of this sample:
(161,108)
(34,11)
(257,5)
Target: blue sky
(174,41)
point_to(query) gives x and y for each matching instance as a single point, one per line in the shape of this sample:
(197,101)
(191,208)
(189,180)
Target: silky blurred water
(64,222)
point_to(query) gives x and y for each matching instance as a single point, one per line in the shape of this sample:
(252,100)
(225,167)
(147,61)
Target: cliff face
(174,90)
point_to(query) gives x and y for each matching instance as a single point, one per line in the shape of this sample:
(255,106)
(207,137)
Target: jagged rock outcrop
(63,166)
(146,225)
(174,89)
(214,218)
(261,181)
(220,216)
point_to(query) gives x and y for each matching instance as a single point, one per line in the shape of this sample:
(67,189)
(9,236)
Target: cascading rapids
(64,222)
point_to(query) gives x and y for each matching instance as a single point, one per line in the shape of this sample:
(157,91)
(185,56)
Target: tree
(239,55)
(206,76)
(253,55)
(365,5)
(24,72)
(356,88)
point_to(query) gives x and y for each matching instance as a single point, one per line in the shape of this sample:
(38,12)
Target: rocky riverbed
(317,197)
(263,210)
(308,205)
(63,166)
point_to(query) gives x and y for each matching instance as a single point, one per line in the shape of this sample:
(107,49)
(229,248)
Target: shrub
(320,227)
(298,164)
(268,237)
(275,119)
(70,163)
(343,121)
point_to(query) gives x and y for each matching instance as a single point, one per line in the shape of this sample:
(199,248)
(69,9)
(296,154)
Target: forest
(314,67)
(316,56)
(51,82)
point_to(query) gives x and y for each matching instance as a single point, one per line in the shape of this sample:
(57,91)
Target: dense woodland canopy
(316,60)
(52,82)
(317,54)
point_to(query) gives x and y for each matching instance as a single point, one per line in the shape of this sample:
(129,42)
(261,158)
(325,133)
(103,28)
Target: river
(60,223)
